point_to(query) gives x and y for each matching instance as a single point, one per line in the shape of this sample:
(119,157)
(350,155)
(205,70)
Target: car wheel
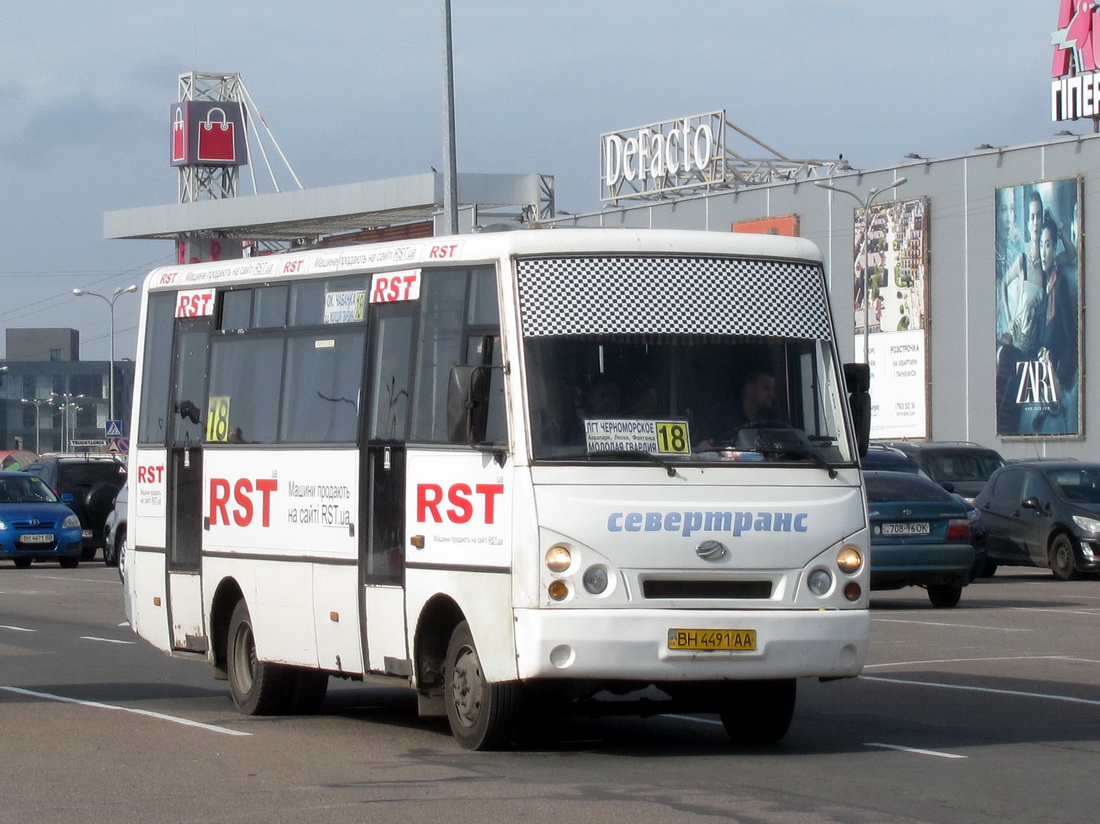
(1062,557)
(121,555)
(944,596)
(110,552)
(71,562)
(482,715)
(988,570)
(258,687)
(756,713)
(23,563)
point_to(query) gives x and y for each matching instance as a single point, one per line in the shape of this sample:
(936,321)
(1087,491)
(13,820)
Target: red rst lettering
(489,492)
(458,495)
(241,494)
(423,504)
(219,497)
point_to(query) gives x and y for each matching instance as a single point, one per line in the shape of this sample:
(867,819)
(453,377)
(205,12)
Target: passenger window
(320,402)
(245,387)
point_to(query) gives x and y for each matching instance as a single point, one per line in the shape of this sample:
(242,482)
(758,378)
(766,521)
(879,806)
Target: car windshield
(29,490)
(902,486)
(1078,485)
(673,398)
(962,466)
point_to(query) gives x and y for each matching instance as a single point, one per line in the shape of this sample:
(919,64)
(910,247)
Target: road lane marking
(915,750)
(975,660)
(149,713)
(991,690)
(80,580)
(1092,612)
(945,624)
(105,640)
(17,629)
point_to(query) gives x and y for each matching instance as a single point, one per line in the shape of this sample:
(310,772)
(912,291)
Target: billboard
(890,264)
(1038,305)
(787,225)
(208,133)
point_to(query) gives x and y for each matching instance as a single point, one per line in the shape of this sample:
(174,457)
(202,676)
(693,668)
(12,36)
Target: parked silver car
(114,531)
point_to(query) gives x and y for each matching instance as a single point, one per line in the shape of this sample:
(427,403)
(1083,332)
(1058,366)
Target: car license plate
(712,639)
(907,528)
(85,533)
(36,538)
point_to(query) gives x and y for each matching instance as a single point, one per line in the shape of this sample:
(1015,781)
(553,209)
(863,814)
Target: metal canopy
(285,216)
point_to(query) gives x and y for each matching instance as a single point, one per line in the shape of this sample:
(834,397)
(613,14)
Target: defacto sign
(663,157)
(1075,89)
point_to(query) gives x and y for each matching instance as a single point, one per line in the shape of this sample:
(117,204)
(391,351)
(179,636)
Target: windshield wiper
(626,453)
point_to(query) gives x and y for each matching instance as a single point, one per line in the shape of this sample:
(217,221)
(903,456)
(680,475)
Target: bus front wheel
(258,687)
(756,713)
(482,715)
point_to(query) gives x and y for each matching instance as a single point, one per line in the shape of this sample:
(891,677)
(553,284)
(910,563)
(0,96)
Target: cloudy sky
(352,90)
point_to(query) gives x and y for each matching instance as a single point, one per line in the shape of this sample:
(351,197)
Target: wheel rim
(244,658)
(1063,556)
(466,686)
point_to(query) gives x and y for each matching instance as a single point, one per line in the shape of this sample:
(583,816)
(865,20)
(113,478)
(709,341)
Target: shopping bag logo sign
(179,138)
(217,138)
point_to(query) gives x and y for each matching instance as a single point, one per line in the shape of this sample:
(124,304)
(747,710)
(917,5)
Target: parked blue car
(35,525)
(920,536)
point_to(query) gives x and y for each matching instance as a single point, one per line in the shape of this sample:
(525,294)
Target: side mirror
(1032,503)
(857,380)
(468,404)
(67,498)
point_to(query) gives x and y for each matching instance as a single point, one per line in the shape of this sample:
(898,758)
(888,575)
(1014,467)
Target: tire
(257,687)
(308,690)
(22,563)
(110,551)
(988,570)
(88,553)
(944,596)
(482,716)
(71,562)
(122,556)
(757,713)
(1062,557)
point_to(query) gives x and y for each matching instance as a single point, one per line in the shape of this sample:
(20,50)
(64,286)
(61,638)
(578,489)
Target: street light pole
(37,420)
(865,203)
(119,292)
(67,404)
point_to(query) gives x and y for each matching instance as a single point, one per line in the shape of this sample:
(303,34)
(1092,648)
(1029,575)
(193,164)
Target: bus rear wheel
(257,687)
(482,715)
(756,713)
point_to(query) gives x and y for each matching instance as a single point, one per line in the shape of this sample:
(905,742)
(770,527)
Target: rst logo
(443,251)
(239,502)
(457,504)
(393,287)
(150,474)
(196,304)
(293,267)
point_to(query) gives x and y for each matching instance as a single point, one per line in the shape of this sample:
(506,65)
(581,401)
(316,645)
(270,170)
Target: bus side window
(157,372)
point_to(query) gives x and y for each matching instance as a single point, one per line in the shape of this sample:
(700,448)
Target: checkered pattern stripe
(671,296)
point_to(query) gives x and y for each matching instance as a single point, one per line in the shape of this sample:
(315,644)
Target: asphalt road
(989,712)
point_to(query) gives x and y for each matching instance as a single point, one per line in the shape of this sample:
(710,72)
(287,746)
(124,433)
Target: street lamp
(37,419)
(865,202)
(65,407)
(111,303)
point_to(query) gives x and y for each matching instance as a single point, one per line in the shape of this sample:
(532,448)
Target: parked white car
(114,531)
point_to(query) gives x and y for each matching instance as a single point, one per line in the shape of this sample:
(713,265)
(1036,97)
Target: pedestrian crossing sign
(114,429)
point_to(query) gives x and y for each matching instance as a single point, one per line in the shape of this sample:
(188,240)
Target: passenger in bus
(754,403)
(603,398)
(642,400)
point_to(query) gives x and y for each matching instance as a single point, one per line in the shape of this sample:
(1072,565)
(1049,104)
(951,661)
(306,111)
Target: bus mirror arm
(857,379)
(468,404)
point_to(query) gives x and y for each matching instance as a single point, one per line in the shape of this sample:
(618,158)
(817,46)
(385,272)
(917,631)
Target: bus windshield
(695,398)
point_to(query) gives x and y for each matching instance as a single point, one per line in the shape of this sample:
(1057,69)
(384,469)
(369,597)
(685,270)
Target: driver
(755,399)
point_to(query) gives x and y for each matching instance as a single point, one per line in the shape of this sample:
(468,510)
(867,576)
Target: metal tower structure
(211,182)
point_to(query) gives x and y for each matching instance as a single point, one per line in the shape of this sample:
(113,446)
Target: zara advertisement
(891,309)
(1039,354)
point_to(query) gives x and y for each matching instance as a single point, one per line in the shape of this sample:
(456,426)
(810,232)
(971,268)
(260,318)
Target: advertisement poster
(890,257)
(1039,354)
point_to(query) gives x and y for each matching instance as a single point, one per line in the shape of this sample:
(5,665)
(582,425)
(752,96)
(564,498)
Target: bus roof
(480,247)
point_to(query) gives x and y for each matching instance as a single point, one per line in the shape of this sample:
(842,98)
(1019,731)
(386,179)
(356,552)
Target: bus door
(185,497)
(383,546)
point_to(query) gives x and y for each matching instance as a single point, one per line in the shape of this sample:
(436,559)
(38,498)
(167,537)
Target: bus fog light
(595,579)
(820,581)
(852,591)
(558,558)
(558,590)
(848,559)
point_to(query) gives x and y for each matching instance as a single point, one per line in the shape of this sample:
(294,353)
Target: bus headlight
(558,558)
(595,579)
(848,559)
(820,582)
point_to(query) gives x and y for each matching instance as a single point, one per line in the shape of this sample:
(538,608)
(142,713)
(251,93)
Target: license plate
(85,533)
(36,538)
(907,528)
(712,639)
